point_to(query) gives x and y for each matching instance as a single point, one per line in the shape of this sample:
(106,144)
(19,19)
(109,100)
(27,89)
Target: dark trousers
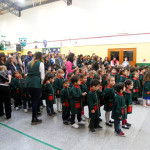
(117,126)
(93,121)
(18,100)
(73,118)
(25,102)
(65,115)
(5,101)
(49,109)
(35,99)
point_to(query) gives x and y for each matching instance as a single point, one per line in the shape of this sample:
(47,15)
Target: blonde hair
(3,68)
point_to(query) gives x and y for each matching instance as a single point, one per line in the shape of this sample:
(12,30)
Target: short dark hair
(29,52)
(83,75)
(119,86)
(71,57)
(94,82)
(66,80)
(128,82)
(75,79)
(146,67)
(69,75)
(96,77)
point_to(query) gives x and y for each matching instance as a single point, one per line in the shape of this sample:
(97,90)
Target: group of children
(115,88)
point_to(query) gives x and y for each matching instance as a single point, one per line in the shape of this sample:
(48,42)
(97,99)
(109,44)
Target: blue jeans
(117,126)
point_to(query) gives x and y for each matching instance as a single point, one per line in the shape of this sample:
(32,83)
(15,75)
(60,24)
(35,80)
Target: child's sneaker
(25,110)
(125,127)
(92,130)
(59,110)
(109,124)
(111,121)
(17,108)
(99,127)
(65,123)
(121,134)
(128,124)
(76,126)
(81,122)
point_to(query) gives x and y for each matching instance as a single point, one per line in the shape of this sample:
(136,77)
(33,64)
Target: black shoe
(100,119)
(2,115)
(99,127)
(109,124)
(54,113)
(39,114)
(50,114)
(125,127)
(8,117)
(128,124)
(36,121)
(69,119)
(92,130)
(111,121)
(65,123)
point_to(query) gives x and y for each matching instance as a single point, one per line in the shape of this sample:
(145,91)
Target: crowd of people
(73,83)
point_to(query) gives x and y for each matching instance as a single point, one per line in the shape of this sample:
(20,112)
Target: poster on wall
(52,50)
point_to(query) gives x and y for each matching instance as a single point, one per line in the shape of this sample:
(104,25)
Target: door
(121,53)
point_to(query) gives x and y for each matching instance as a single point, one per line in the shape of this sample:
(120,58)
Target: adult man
(28,59)
(59,61)
(114,62)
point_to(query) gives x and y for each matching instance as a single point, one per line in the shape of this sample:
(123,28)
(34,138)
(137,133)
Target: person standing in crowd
(69,64)
(4,93)
(80,61)
(12,66)
(47,63)
(59,62)
(34,81)
(28,59)
(95,63)
(106,61)
(125,63)
(114,62)
(2,59)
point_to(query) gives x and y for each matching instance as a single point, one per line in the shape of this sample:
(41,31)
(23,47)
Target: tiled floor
(53,132)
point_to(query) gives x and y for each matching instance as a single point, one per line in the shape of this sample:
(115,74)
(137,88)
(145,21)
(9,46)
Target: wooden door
(121,53)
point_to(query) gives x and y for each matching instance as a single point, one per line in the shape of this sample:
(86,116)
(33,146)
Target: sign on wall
(52,50)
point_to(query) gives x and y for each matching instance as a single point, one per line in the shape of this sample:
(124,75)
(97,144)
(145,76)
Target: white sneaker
(59,110)
(17,108)
(81,122)
(76,126)
(25,110)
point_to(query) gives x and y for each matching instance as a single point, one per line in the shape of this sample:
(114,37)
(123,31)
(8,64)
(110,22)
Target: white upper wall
(84,18)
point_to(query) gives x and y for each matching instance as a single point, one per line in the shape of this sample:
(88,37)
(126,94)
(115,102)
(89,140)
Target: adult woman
(2,59)
(114,62)
(35,77)
(12,66)
(125,63)
(80,61)
(106,61)
(69,64)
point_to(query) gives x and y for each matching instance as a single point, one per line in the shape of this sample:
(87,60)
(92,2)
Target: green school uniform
(128,99)
(135,87)
(141,76)
(65,98)
(25,92)
(33,77)
(122,78)
(100,97)
(84,89)
(146,90)
(109,95)
(49,94)
(58,85)
(119,107)
(75,100)
(88,83)
(71,84)
(93,103)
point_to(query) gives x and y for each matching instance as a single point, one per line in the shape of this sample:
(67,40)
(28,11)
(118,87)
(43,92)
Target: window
(128,54)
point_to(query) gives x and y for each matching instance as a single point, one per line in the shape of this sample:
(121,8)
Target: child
(146,68)
(26,97)
(69,76)
(128,100)
(119,108)
(75,102)
(84,88)
(114,74)
(49,93)
(135,88)
(94,106)
(146,89)
(132,70)
(141,76)
(65,100)
(123,73)
(17,85)
(59,87)
(109,98)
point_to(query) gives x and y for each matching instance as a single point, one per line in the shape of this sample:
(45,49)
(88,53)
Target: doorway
(121,53)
